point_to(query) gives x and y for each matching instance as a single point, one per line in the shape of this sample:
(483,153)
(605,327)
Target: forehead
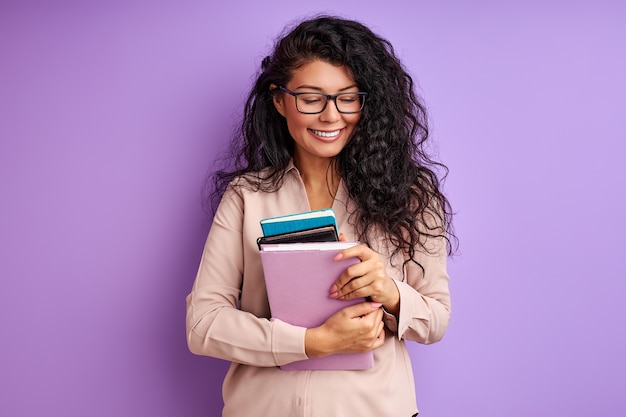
(321,75)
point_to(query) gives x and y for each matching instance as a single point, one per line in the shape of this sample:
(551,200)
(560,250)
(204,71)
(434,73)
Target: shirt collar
(290,166)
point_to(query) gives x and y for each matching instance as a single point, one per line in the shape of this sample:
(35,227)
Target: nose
(330,113)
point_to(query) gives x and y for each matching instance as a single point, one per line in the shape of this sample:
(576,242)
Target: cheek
(354,120)
(295,127)
(353,124)
(296,120)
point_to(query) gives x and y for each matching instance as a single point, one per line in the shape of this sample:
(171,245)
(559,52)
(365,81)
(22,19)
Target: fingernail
(376,305)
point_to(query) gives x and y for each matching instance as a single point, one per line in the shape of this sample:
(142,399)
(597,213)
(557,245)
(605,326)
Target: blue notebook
(299,221)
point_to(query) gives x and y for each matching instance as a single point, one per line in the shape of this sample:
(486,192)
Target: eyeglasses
(314,103)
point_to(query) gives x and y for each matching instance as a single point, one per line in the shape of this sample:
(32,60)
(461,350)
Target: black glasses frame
(329,97)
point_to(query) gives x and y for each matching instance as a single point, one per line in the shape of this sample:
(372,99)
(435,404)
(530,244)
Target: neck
(321,181)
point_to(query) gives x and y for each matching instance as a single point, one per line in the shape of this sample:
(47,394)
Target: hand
(354,329)
(366,279)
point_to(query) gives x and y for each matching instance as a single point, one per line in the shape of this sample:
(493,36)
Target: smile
(326,134)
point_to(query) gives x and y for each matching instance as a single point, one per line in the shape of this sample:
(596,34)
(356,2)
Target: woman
(332,121)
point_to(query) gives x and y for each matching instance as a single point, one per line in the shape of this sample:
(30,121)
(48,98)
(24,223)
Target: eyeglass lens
(315,103)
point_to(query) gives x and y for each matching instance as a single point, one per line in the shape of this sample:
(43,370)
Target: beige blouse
(228,317)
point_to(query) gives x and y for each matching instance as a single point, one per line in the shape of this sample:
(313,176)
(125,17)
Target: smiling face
(318,137)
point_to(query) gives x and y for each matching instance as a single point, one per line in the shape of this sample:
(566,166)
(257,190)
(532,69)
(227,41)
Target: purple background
(110,116)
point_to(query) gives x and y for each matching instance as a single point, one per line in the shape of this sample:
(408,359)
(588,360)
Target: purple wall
(111,113)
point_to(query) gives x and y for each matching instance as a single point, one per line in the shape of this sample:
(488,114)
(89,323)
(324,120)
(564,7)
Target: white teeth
(326,134)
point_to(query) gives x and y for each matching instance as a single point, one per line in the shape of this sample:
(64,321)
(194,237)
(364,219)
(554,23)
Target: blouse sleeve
(424,297)
(215,325)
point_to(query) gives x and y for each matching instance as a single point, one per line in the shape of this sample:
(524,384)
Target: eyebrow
(312,87)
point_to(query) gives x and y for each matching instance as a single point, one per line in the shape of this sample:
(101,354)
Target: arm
(215,325)
(425,299)
(418,307)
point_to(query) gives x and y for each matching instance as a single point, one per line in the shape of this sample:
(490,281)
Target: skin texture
(360,327)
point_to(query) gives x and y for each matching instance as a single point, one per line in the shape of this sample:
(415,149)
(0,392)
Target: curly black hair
(385,165)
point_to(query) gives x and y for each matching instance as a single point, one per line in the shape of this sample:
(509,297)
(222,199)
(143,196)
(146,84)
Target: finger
(362,309)
(338,287)
(378,328)
(381,334)
(358,251)
(379,317)
(374,320)
(357,288)
(345,277)
(378,335)
(361,269)
(342,237)
(351,273)
(359,276)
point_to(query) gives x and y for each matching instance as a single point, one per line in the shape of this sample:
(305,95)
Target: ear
(279,99)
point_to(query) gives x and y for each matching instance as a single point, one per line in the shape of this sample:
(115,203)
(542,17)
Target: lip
(327,139)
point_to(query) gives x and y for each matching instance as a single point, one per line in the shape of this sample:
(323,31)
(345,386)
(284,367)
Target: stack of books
(310,226)
(297,252)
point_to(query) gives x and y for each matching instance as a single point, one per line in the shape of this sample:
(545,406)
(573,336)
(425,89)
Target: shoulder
(268,179)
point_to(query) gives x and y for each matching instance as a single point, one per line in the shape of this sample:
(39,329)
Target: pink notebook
(298,277)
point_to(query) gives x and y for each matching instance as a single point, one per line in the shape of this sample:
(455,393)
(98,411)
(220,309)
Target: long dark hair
(385,166)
